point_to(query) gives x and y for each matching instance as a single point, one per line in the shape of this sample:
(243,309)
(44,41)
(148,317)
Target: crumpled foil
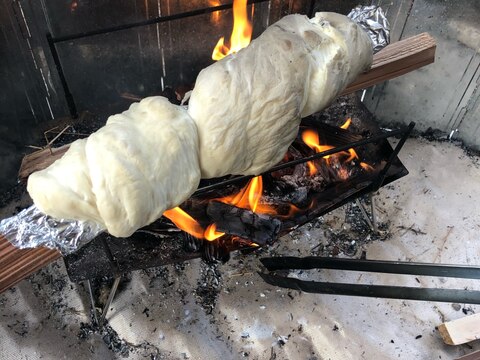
(373,20)
(31,228)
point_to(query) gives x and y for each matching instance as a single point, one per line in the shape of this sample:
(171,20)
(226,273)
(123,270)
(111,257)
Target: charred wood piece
(259,228)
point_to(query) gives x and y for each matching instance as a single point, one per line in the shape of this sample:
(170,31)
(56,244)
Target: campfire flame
(249,198)
(241,33)
(346,124)
(184,222)
(188,224)
(311,139)
(211,233)
(216,14)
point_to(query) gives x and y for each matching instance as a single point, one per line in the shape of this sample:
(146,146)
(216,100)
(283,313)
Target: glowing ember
(241,33)
(365,166)
(346,124)
(184,222)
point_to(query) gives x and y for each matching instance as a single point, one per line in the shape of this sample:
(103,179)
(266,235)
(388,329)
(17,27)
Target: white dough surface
(248,106)
(124,176)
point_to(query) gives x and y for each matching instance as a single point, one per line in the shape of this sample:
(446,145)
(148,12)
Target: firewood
(16,264)
(394,60)
(461,331)
(260,228)
(40,160)
(397,59)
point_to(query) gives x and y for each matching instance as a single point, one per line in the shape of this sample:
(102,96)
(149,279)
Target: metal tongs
(379,291)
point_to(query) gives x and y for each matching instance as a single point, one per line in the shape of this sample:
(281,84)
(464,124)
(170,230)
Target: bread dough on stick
(124,176)
(248,106)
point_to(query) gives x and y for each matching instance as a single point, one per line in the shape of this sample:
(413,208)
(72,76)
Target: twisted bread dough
(244,113)
(248,106)
(124,176)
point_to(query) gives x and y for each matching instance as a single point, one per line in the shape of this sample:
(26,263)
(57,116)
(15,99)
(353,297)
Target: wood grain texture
(461,331)
(397,59)
(16,264)
(39,160)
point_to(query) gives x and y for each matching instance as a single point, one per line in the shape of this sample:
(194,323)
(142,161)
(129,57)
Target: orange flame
(366,166)
(310,137)
(346,124)
(249,197)
(184,222)
(211,232)
(241,33)
(216,14)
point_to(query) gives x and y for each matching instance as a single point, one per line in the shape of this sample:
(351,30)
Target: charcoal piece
(214,251)
(191,243)
(259,228)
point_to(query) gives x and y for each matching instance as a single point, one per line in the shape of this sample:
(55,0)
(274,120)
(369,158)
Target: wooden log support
(17,264)
(397,59)
(461,331)
(40,160)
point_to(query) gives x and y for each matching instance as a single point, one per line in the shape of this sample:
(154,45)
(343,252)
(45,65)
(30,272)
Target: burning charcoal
(216,250)
(190,243)
(261,229)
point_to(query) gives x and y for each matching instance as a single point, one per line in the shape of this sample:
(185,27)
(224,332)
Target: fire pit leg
(92,301)
(113,290)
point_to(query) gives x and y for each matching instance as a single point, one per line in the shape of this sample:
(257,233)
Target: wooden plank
(461,331)
(40,160)
(16,264)
(397,59)
(472,356)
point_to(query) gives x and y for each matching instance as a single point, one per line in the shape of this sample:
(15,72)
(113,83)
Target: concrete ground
(193,311)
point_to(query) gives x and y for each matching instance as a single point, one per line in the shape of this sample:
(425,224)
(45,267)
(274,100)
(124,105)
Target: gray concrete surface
(444,95)
(192,311)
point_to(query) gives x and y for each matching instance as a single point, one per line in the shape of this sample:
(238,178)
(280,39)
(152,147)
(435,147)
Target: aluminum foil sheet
(373,20)
(31,228)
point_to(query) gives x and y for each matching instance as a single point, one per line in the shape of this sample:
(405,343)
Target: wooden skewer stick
(394,60)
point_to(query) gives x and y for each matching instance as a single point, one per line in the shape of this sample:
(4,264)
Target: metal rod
(311,8)
(404,132)
(364,213)
(372,210)
(390,267)
(380,291)
(383,174)
(66,90)
(110,299)
(153,21)
(92,301)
